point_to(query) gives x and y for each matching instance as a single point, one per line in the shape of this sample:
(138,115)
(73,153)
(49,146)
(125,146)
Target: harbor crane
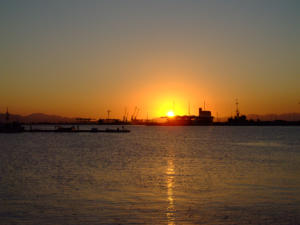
(135,113)
(125,116)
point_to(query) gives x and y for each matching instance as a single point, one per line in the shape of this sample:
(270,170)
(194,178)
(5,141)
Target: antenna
(237,108)
(108,112)
(189,109)
(204,105)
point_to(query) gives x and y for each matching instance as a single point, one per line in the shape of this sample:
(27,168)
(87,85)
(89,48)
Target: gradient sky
(80,58)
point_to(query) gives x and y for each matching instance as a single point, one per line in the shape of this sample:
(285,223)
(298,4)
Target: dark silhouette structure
(204,118)
(10,127)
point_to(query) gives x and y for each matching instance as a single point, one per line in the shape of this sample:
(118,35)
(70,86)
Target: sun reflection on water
(170,184)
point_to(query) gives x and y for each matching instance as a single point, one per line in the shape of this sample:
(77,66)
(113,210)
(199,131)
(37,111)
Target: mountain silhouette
(38,118)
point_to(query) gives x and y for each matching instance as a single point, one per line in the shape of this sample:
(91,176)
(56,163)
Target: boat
(65,129)
(94,130)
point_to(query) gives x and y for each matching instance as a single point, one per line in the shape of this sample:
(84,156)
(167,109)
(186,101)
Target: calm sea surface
(153,175)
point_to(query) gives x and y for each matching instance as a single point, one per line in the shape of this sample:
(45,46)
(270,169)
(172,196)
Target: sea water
(152,175)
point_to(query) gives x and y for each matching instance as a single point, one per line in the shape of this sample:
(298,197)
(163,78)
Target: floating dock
(78,131)
(18,128)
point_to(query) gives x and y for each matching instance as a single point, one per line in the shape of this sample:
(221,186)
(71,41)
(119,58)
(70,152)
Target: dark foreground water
(153,175)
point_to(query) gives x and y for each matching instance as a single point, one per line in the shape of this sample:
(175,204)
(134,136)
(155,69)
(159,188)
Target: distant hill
(38,118)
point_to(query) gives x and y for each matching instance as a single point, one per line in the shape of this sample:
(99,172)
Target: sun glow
(170,114)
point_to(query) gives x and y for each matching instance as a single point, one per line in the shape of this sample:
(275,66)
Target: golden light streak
(170,185)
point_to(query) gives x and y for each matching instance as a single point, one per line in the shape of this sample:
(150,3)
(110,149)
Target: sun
(170,113)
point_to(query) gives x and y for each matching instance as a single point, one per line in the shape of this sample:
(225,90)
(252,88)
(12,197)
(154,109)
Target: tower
(108,112)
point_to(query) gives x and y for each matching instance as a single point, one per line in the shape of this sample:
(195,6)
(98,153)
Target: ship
(204,118)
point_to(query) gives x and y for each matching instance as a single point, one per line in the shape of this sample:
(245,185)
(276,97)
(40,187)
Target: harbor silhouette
(204,118)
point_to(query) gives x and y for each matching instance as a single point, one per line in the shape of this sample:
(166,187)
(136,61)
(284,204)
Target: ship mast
(7,114)
(237,108)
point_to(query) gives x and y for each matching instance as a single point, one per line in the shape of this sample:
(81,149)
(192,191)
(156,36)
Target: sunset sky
(81,58)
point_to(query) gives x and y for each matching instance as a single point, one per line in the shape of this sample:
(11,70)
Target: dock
(78,131)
